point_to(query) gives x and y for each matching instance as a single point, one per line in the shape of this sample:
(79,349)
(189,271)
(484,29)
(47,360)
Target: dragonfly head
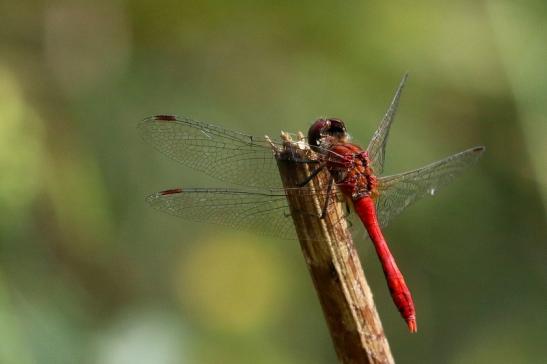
(323,128)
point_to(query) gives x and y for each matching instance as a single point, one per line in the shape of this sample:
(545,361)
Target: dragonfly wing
(377,146)
(223,154)
(266,213)
(399,191)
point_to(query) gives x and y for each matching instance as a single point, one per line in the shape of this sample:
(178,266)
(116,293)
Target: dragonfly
(260,203)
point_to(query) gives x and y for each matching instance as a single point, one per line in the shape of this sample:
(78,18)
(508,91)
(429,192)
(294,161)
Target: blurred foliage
(90,274)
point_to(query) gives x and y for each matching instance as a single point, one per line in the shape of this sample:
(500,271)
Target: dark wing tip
(154,198)
(156,118)
(479,149)
(164,118)
(172,191)
(147,123)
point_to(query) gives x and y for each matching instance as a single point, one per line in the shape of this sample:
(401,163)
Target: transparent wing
(266,213)
(399,191)
(377,146)
(222,154)
(262,212)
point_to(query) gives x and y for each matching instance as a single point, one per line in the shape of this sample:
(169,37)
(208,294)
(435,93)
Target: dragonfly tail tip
(412,325)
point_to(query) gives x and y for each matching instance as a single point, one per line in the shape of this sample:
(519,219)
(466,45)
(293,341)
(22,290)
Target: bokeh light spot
(21,147)
(231,283)
(141,337)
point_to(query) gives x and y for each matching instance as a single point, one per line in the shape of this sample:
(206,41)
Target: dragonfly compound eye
(326,127)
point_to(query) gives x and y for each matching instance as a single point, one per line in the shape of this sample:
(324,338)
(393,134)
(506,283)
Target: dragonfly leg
(307,161)
(348,213)
(327,199)
(312,175)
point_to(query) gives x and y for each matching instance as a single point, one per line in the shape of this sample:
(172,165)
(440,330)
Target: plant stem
(333,263)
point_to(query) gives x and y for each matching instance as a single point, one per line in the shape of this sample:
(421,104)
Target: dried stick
(333,262)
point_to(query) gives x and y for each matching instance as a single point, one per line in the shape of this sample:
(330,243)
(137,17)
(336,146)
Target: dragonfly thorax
(349,165)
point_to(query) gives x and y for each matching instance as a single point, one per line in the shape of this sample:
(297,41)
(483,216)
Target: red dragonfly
(248,161)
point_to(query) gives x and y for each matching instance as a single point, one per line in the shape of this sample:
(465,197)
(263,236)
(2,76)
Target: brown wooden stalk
(333,262)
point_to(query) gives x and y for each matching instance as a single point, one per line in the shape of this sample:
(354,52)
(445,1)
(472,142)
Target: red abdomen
(364,207)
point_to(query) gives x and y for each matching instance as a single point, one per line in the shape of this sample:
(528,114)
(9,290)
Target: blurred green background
(91,274)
